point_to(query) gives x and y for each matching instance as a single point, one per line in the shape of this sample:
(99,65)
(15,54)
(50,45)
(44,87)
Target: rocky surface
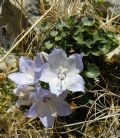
(14,19)
(113,6)
(30,8)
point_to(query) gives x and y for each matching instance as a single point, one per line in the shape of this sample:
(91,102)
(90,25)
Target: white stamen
(62,73)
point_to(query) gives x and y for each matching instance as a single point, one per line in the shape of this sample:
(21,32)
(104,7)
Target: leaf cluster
(81,35)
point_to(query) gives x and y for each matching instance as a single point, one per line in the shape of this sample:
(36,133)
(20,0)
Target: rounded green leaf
(93,71)
(79,39)
(87,21)
(45,26)
(58,37)
(104,48)
(79,29)
(49,45)
(88,43)
(53,33)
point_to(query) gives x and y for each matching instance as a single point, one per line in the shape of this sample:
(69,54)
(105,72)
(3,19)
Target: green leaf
(60,25)
(58,37)
(79,39)
(71,21)
(88,43)
(91,101)
(93,71)
(96,36)
(49,45)
(85,50)
(87,21)
(111,35)
(96,51)
(104,47)
(53,33)
(45,26)
(79,29)
(64,34)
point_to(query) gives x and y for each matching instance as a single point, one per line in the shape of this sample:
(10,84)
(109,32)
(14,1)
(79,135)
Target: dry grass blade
(27,33)
(90,121)
(109,21)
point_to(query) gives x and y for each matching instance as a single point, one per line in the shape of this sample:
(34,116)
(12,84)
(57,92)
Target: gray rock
(31,8)
(12,21)
(114,6)
(109,7)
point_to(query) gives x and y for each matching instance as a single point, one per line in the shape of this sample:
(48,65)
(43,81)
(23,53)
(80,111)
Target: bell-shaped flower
(63,73)
(25,93)
(26,99)
(48,106)
(29,71)
(23,89)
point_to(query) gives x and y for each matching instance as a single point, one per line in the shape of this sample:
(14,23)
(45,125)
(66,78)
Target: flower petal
(56,59)
(20,102)
(47,121)
(57,86)
(41,93)
(20,78)
(46,74)
(75,83)
(26,66)
(23,89)
(26,99)
(63,95)
(37,76)
(61,107)
(32,112)
(75,62)
(42,109)
(38,63)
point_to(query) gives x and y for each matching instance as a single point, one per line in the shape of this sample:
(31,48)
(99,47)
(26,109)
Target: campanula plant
(56,69)
(63,73)
(25,94)
(48,106)
(82,35)
(29,71)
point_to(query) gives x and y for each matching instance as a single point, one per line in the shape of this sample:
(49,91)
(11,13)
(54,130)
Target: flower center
(30,77)
(62,74)
(46,99)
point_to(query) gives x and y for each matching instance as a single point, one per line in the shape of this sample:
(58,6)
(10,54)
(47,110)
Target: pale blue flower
(23,89)
(29,71)
(25,99)
(25,93)
(63,73)
(48,106)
